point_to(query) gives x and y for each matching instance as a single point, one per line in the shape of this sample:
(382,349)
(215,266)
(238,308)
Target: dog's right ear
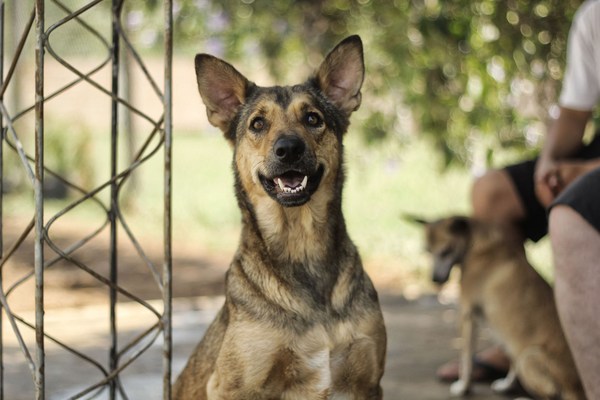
(460,225)
(223,90)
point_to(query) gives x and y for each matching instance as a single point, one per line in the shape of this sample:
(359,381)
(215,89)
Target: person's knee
(559,216)
(560,219)
(573,239)
(493,197)
(485,192)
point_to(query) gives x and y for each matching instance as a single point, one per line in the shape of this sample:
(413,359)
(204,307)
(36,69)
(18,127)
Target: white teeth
(287,189)
(295,190)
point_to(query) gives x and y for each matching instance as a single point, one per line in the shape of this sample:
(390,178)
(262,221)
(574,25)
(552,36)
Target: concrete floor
(421,336)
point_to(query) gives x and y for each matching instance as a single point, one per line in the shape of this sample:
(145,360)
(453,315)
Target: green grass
(388,181)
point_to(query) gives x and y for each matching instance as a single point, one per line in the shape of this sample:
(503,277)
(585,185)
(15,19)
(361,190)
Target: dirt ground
(421,332)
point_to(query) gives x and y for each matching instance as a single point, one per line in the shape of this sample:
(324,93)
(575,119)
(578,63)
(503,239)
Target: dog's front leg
(509,382)
(468,334)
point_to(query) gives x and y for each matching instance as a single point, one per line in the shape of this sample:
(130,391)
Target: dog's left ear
(341,74)
(415,219)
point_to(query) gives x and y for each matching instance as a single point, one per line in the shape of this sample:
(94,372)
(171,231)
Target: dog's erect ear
(222,88)
(341,74)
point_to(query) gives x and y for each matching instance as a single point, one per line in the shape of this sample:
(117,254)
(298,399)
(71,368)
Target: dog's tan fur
(499,285)
(301,319)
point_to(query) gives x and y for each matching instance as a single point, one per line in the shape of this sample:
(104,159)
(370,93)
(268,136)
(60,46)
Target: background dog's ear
(460,225)
(414,219)
(223,90)
(341,74)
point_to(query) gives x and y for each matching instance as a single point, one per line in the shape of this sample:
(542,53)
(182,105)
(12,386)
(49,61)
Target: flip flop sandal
(482,372)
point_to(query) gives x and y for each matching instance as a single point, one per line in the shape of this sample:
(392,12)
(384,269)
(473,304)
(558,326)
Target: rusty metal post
(167,267)
(1,195)
(39,201)
(117,6)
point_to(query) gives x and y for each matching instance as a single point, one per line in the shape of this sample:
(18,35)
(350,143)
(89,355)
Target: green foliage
(466,71)
(484,68)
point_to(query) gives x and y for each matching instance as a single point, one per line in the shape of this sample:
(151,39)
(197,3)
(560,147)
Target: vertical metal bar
(39,201)
(1,196)
(114,194)
(167,267)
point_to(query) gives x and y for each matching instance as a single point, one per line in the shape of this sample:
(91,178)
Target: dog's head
(286,139)
(448,241)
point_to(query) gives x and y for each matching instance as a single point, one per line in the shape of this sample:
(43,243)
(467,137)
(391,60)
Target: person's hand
(548,180)
(552,177)
(564,139)
(571,170)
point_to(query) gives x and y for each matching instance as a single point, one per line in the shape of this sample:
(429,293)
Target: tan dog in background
(301,318)
(499,285)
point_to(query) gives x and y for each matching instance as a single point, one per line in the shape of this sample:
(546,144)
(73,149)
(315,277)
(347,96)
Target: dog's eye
(447,252)
(313,120)
(258,124)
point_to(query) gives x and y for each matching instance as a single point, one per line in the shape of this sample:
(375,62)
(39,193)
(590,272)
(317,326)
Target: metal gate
(121,353)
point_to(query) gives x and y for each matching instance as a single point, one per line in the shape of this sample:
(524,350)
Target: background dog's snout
(289,149)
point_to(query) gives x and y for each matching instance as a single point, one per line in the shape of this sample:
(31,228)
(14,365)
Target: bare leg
(494,198)
(576,249)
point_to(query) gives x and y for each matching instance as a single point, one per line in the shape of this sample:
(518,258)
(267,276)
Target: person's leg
(494,197)
(576,249)
(508,196)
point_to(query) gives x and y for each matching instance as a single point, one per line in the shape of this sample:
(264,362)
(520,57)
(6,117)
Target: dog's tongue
(291,180)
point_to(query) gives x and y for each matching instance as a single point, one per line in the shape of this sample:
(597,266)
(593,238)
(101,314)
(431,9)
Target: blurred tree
(461,72)
(486,70)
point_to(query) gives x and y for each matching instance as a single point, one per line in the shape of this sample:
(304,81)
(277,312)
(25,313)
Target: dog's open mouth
(292,188)
(291,182)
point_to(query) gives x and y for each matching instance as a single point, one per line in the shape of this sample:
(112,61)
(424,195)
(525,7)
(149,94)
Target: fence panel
(73,48)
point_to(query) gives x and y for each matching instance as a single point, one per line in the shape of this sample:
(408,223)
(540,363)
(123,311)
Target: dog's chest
(327,366)
(323,357)
(311,365)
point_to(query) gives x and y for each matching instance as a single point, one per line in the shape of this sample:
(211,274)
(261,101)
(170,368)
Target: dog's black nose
(289,149)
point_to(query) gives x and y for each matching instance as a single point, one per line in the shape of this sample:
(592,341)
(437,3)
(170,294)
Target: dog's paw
(459,388)
(503,385)
(506,384)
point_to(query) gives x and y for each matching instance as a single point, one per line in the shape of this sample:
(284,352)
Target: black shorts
(583,196)
(535,224)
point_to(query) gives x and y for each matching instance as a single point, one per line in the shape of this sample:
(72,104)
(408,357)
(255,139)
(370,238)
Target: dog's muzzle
(293,174)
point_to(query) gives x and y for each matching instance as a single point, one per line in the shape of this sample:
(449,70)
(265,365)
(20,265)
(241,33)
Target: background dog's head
(448,241)
(286,139)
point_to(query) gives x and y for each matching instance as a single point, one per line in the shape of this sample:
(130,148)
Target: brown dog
(301,319)
(498,284)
